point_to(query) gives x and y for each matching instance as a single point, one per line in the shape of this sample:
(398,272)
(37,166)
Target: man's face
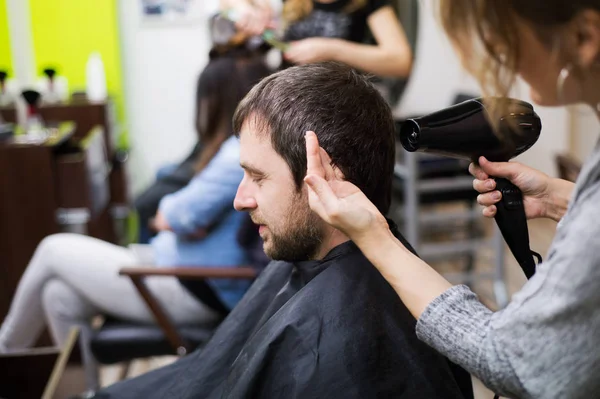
(289,229)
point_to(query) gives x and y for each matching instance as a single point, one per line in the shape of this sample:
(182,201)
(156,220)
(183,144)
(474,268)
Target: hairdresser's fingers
(297,52)
(507,170)
(321,198)
(268,18)
(326,164)
(484,186)
(314,163)
(272,24)
(257,25)
(262,21)
(477,172)
(243,21)
(489,198)
(291,56)
(252,21)
(489,211)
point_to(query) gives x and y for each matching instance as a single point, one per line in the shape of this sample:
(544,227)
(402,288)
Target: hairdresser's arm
(543,344)
(391,56)
(344,206)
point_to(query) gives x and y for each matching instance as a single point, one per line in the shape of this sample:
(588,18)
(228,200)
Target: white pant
(72,278)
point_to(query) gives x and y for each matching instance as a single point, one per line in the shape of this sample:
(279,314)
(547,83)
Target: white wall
(21,42)
(437,77)
(554,139)
(160,66)
(21,46)
(585,130)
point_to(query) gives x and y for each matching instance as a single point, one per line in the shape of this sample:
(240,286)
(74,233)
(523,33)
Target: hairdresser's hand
(159,223)
(253,19)
(311,50)
(338,202)
(543,196)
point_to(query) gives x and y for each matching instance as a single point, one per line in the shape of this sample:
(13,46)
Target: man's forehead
(256,150)
(255,145)
(256,125)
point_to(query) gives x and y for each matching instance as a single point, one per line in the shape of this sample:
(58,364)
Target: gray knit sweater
(546,342)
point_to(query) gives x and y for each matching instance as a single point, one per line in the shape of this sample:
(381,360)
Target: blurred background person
(72,278)
(212,105)
(332,30)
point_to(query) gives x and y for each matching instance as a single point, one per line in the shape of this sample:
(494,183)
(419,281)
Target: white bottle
(95,78)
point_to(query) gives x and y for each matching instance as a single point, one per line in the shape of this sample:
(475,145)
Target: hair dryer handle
(512,221)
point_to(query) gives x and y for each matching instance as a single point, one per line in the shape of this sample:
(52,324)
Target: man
(320,321)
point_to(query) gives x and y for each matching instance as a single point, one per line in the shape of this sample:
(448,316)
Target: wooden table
(38,183)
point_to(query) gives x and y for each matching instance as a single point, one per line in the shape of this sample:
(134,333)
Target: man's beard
(299,239)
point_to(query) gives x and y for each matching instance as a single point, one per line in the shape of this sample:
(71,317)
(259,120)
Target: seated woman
(169,179)
(72,278)
(173,177)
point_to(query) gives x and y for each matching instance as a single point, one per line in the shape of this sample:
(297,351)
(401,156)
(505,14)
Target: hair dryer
(464,131)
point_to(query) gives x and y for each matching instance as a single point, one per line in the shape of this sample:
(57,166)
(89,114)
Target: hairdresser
(546,342)
(333,30)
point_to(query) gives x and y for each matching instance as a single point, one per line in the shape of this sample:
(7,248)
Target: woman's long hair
(485,34)
(295,10)
(229,75)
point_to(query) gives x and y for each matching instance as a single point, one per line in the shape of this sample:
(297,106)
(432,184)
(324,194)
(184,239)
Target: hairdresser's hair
(484,33)
(353,122)
(295,10)
(228,77)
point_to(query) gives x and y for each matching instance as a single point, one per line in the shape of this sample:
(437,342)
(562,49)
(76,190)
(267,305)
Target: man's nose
(244,200)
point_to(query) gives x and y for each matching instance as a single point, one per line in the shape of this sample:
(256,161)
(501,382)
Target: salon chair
(118,341)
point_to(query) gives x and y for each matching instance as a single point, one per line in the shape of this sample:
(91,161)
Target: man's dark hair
(353,122)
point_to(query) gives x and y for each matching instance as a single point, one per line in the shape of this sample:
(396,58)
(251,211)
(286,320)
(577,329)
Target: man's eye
(257,180)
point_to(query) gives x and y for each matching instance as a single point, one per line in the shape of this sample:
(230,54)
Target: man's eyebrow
(252,170)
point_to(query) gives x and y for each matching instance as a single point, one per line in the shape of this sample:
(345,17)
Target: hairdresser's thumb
(507,170)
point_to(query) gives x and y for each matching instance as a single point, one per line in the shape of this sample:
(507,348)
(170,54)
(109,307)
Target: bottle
(34,124)
(95,78)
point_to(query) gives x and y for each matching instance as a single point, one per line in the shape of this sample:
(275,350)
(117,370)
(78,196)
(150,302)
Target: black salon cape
(317,329)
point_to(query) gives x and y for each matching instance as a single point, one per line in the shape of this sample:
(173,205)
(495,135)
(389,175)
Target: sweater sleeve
(544,343)
(457,325)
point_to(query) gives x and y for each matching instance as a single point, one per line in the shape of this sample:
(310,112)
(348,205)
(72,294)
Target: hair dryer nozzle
(464,130)
(410,135)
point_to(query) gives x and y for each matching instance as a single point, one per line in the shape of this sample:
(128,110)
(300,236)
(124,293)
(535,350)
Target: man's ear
(587,30)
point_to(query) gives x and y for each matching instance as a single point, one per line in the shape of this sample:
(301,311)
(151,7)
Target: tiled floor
(541,234)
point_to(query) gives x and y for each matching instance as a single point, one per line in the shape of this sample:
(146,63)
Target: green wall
(5,60)
(64,34)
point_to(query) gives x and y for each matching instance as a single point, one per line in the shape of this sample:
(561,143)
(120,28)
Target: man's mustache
(256,220)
